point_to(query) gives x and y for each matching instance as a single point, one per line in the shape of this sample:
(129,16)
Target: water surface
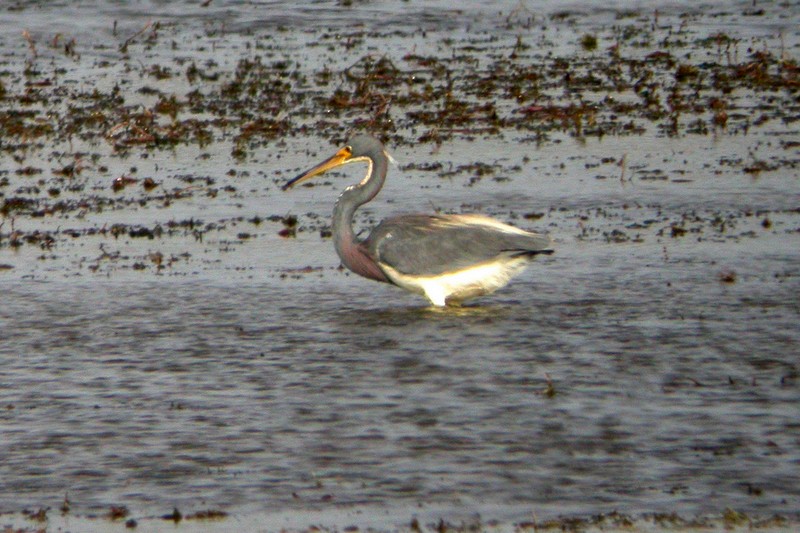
(649,366)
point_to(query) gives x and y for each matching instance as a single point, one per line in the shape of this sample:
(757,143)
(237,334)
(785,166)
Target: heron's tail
(529,244)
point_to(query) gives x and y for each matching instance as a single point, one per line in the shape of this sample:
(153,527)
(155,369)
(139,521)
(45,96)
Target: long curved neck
(351,199)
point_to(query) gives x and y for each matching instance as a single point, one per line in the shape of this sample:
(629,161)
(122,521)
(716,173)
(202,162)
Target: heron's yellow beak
(341,157)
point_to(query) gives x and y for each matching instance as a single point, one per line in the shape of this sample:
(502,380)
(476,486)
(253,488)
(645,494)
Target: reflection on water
(301,393)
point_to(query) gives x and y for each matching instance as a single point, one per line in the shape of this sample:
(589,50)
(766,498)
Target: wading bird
(446,258)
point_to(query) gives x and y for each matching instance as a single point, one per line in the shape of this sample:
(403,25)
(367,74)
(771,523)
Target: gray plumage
(448,258)
(431,245)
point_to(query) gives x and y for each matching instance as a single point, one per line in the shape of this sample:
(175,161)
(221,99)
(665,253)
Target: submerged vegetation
(660,150)
(74,116)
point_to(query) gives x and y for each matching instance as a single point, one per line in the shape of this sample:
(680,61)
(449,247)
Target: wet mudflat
(179,344)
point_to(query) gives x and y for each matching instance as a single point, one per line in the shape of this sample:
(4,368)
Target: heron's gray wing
(430,245)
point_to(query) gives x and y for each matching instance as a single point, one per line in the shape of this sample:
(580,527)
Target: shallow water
(650,365)
(672,391)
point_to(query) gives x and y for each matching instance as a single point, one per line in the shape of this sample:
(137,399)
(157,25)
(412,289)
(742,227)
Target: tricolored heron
(446,258)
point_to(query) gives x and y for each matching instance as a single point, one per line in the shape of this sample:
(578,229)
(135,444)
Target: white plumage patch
(391,159)
(479,220)
(455,287)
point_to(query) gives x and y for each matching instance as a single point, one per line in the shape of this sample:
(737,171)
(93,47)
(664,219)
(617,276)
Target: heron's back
(432,245)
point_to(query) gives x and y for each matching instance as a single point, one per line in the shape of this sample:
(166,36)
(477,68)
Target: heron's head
(359,148)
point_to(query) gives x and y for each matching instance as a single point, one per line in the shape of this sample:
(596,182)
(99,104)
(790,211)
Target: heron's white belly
(455,287)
